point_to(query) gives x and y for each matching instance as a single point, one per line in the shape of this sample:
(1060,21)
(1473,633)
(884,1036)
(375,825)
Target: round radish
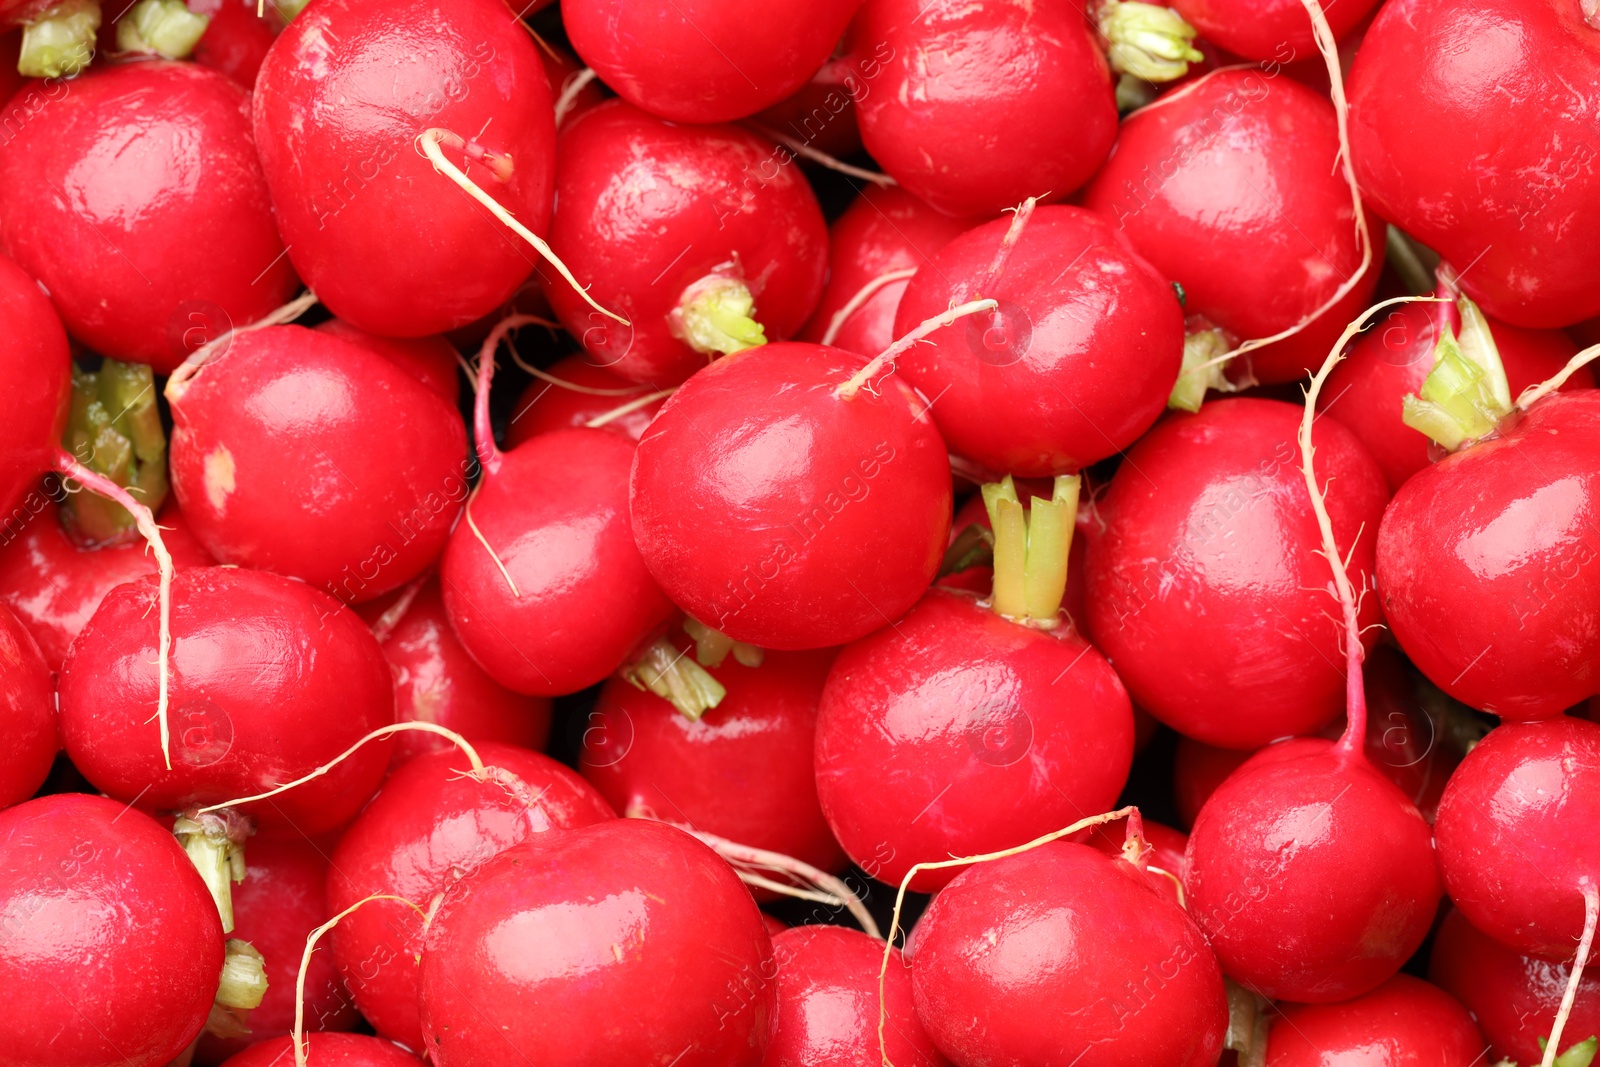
(573,86)
(112,945)
(326,1050)
(431,360)
(705,61)
(1404,1021)
(1507,191)
(342,97)
(650,919)
(822,112)
(1003,947)
(1206,590)
(545,406)
(680,228)
(35,363)
(829,1008)
(297,452)
(28,709)
(429,826)
(950,127)
(781,508)
(1197,770)
(1278,30)
(1076,362)
(236,39)
(138,201)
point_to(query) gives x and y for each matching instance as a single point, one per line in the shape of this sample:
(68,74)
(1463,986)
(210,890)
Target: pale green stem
(713,317)
(1031,549)
(166,28)
(676,678)
(60,42)
(1466,394)
(217,852)
(1202,370)
(244,977)
(1148,41)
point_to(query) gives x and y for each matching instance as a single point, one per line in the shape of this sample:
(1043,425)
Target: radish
(705,61)
(1523,231)
(1513,997)
(579,392)
(429,826)
(961,138)
(779,502)
(742,771)
(1072,367)
(1197,770)
(829,1004)
(709,242)
(1165,859)
(873,249)
(1206,591)
(645,915)
(431,360)
(236,39)
(1403,1021)
(326,1050)
(138,201)
(821,113)
(1277,30)
(1230,186)
(273,460)
(28,708)
(35,363)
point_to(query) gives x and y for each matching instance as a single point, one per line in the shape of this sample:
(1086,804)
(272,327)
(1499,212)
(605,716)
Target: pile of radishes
(948,446)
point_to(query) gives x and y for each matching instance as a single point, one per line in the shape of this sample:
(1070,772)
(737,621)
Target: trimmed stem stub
(1030,549)
(60,42)
(1202,370)
(1466,394)
(713,317)
(1148,41)
(166,28)
(676,678)
(1248,1023)
(215,844)
(115,429)
(711,647)
(244,977)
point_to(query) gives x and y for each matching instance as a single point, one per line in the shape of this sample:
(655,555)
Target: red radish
(432,360)
(1403,1023)
(282,899)
(780,503)
(1073,366)
(1003,947)
(573,86)
(28,709)
(1508,193)
(1513,997)
(35,363)
(958,136)
(742,771)
(10,47)
(829,1004)
(705,61)
(1197,770)
(112,946)
(1207,592)
(138,201)
(1231,187)
(326,1050)
(821,113)
(429,826)
(546,406)
(873,248)
(297,452)
(1278,30)
(1165,859)
(236,39)
(650,919)
(680,228)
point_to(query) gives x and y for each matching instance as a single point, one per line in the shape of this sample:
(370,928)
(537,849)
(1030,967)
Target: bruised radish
(648,917)
(236,39)
(705,61)
(1073,365)
(327,1050)
(300,453)
(829,1008)
(37,368)
(545,406)
(28,708)
(1277,30)
(1404,1021)
(705,238)
(429,826)
(779,501)
(954,131)
(431,360)
(138,201)
(1506,191)
(1206,590)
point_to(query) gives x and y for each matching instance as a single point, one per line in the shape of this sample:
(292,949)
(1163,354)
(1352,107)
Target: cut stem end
(713,317)
(60,42)
(1031,549)
(676,678)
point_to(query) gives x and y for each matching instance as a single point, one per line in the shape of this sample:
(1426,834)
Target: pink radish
(327,1050)
(27,707)
(546,406)
(1404,1021)
(432,360)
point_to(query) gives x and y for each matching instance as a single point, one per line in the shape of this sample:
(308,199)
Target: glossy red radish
(582,392)
(1278,30)
(954,135)
(300,453)
(430,825)
(138,201)
(703,61)
(35,360)
(707,239)
(432,360)
(1163,851)
(27,707)
(1404,1023)
(1206,591)
(1074,364)
(647,915)
(236,39)
(327,1050)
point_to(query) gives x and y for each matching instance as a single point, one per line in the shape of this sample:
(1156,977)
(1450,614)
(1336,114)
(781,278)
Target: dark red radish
(326,1050)
(300,453)
(112,946)
(821,114)
(1231,187)
(585,392)
(1277,30)
(1403,1023)
(884,236)
(573,86)
(702,61)
(1197,770)
(648,917)
(137,200)
(1523,232)
(784,506)
(1073,366)
(431,360)
(955,135)
(1512,997)
(1007,943)
(236,39)
(1206,590)
(35,363)
(680,228)
(282,899)
(29,743)
(829,1004)
(10,49)
(430,825)
(742,771)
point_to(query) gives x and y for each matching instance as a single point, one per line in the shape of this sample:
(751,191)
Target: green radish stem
(1466,394)
(166,28)
(711,647)
(676,678)
(713,316)
(60,41)
(1150,42)
(115,428)
(214,843)
(1203,356)
(1031,549)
